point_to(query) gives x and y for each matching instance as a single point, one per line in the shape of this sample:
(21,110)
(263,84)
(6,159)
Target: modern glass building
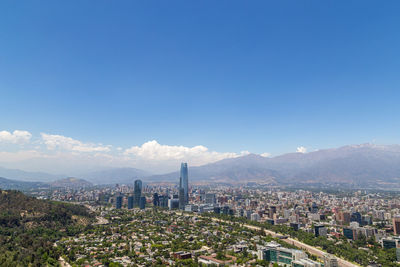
(163,201)
(275,253)
(118,202)
(356,217)
(137,193)
(348,233)
(142,203)
(130,202)
(156,200)
(181,198)
(184,182)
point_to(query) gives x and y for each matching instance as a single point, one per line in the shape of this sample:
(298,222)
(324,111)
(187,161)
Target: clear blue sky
(262,76)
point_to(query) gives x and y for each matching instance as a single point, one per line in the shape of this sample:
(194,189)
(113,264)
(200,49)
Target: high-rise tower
(130,202)
(396,224)
(118,202)
(184,182)
(137,193)
(181,197)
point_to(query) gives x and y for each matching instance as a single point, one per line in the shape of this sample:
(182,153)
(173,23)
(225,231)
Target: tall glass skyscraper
(130,202)
(142,203)
(181,197)
(137,193)
(184,182)
(118,202)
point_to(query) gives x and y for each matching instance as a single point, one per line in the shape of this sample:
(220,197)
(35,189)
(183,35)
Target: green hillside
(29,227)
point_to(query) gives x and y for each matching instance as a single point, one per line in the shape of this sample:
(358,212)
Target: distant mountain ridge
(71,182)
(7,184)
(108,176)
(365,164)
(355,164)
(116,175)
(28,176)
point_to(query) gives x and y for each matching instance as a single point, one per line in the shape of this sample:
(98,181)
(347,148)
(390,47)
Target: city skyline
(286,113)
(126,83)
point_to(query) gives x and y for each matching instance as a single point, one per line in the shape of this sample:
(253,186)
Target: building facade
(130,202)
(184,182)
(396,225)
(118,202)
(137,193)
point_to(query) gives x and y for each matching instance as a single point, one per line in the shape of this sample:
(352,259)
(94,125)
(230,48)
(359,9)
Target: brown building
(180,255)
(396,225)
(344,217)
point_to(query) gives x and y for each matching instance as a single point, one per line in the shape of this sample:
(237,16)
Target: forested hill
(29,227)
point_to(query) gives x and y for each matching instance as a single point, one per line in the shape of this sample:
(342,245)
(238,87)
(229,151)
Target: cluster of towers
(177,201)
(135,200)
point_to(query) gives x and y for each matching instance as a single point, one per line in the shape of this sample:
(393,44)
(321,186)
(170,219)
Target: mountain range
(7,184)
(28,176)
(116,175)
(365,165)
(71,182)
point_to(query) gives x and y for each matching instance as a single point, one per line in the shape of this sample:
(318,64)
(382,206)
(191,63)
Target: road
(312,250)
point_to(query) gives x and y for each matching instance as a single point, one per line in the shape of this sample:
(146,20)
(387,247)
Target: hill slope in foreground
(29,227)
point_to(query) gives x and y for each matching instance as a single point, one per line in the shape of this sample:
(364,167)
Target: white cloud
(62,154)
(301,149)
(196,155)
(16,137)
(265,155)
(53,141)
(6,156)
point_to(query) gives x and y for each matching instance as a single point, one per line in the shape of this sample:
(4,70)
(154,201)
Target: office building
(366,220)
(181,197)
(130,202)
(344,217)
(184,182)
(314,208)
(356,217)
(275,253)
(191,208)
(239,213)
(142,202)
(217,210)
(156,200)
(137,193)
(271,212)
(396,225)
(118,202)
(173,203)
(255,217)
(163,201)
(320,230)
(210,198)
(349,233)
(398,254)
